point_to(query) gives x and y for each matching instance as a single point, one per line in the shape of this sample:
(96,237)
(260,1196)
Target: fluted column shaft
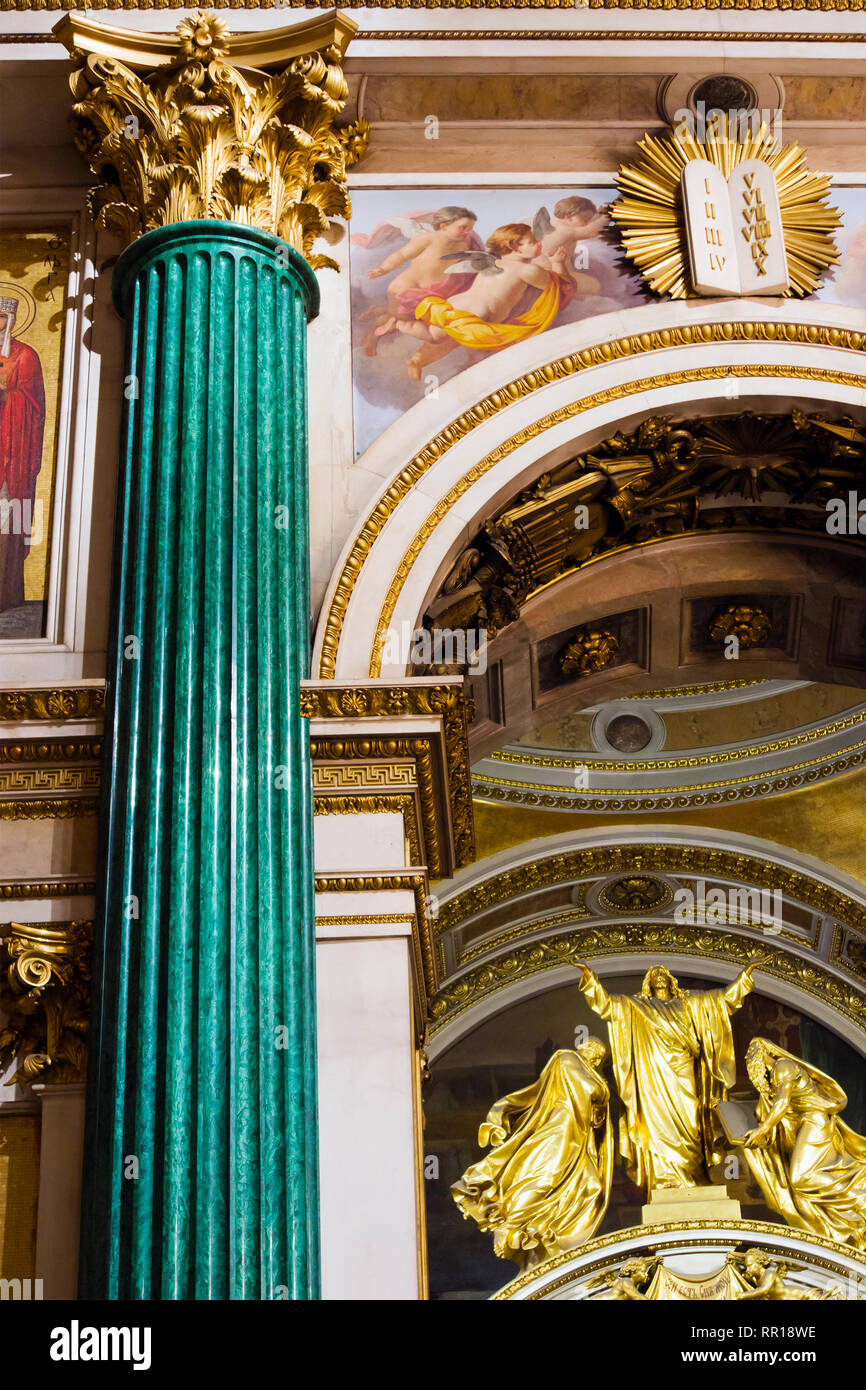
(200,1158)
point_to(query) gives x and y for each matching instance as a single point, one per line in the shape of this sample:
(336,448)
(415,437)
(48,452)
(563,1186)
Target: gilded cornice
(539,795)
(696,860)
(365,919)
(206,124)
(53,888)
(19,706)
(422,937)
(722,755)
(49,808)
(378,804)
(50,750)
(671,939)
(685,335)
(376,782)
(46,1001)
(819,5)
(448,703)
(617,1243)
(498,35)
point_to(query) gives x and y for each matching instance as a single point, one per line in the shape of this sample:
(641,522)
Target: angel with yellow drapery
(545,1185)
(484,317)
(809,1165)
(673,1059)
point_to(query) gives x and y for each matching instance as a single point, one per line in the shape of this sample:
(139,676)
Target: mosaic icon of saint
(22,426)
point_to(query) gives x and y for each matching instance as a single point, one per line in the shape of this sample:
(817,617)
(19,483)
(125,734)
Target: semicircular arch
(806,970)
(448,462)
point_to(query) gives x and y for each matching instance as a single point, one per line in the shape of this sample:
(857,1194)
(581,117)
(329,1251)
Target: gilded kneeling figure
(545,1185)
(809,1165)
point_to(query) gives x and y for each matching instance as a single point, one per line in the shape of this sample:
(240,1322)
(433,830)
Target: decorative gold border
(398,803)
(64,888)
(846,6)
(529,927)
(533,928)
(685,335)
(758,750)
(360,919)
(34,780)
(377,883)
(698,861)
(19,706)
(49,808)
(50,750)
(682,691)
(774,1229)
(517,35)
(610,799)
(670,939)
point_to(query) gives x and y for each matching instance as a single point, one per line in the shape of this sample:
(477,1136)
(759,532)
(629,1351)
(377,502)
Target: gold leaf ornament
(198,132)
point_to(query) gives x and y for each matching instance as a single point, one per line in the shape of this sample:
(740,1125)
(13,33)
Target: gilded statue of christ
(673,1059)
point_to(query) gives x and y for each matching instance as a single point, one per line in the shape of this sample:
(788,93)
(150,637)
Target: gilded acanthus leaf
(201,136)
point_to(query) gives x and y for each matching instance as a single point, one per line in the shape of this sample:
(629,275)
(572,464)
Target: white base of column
(370,1222)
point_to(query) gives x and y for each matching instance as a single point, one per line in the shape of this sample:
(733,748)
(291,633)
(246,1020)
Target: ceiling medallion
(635,894)
(733,213)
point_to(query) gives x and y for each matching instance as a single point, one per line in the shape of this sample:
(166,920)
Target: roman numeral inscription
(734,229)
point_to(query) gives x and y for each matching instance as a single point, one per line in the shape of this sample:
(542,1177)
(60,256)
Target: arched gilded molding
(562,1275)
(535,960)
(500,423)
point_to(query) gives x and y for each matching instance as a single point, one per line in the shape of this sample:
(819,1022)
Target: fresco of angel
(483,316)
(433,240)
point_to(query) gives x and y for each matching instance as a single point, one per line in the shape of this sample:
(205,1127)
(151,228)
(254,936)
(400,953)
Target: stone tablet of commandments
(737,1119)
(734,229)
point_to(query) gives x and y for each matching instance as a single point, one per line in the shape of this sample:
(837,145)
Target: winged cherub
(433,241)
(575,220)
(481,317)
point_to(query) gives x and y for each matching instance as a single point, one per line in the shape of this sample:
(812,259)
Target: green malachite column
(200,1165)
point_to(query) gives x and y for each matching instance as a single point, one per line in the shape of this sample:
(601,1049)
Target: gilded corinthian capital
(45,1000)
(204,123)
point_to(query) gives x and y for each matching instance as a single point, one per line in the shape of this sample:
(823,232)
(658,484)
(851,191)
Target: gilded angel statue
(764,1280)
(809,1165)
(545,1185)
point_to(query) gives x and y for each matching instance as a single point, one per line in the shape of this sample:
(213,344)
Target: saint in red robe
(22,424)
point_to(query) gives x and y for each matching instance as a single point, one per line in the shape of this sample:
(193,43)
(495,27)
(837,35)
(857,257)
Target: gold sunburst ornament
(672,221)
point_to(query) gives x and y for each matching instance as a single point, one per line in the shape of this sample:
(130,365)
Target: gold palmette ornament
(650,217)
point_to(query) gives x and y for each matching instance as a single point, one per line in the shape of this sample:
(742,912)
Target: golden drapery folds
(673,1059)
(545,1185)
(209,124)
(809,1165)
